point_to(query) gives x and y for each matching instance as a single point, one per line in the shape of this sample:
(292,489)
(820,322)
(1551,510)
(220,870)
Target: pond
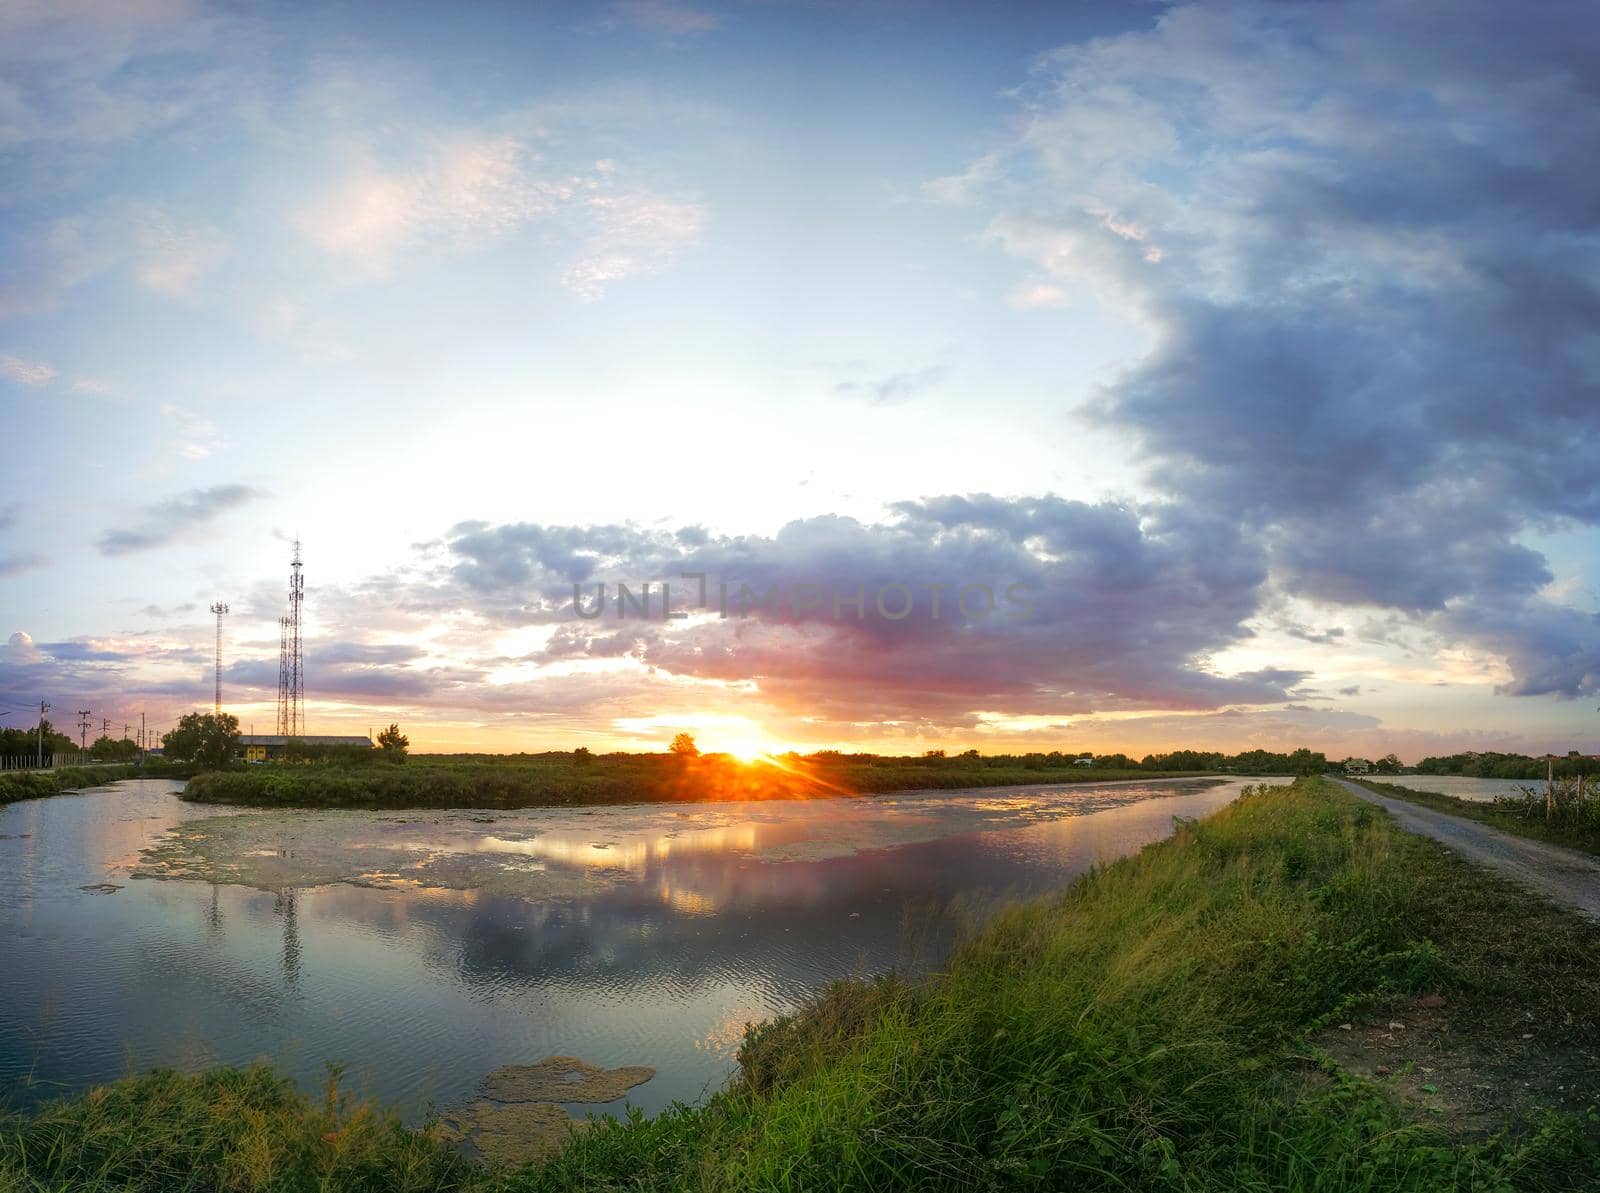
(1463,786)
(423,950)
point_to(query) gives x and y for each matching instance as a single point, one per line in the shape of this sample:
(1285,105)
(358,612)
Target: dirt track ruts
(1565,876)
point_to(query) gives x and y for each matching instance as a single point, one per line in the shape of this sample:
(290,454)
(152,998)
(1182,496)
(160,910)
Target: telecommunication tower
(297,678)
(219,609)
(283,677)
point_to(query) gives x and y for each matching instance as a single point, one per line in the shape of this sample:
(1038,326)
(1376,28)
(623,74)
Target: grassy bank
(1571,821)
(1159,1025)
(32,784)
(560,780)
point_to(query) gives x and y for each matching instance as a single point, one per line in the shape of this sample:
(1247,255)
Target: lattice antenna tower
(297,678)
(283,677)
(220,610)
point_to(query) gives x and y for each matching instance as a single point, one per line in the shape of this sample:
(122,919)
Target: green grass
(1571,822)
(561,780)
(233,1129)
(33,784)
(1152,1027)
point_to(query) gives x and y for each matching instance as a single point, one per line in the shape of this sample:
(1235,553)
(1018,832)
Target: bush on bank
(34,784)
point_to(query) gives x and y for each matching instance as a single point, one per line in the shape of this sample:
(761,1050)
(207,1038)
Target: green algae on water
(563,1079)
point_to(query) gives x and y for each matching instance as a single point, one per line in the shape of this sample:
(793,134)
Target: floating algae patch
(518,1119)
(543,854)
(273,851)
(511,1134)
(563,1079)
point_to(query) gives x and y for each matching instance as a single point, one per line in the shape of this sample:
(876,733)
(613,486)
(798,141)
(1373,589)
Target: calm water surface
(423,950)
(1462,786)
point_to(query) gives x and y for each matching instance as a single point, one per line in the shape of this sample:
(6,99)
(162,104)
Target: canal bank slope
(1174,1020)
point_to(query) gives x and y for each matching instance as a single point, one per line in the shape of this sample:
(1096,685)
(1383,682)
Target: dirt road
(1562,875)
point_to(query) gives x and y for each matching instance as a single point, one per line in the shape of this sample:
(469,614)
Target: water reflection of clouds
(659,950)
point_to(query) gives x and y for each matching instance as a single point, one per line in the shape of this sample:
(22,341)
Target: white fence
(51,761)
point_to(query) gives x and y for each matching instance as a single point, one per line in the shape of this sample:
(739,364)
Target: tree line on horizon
(27,743)
(1492,765)
(208,740)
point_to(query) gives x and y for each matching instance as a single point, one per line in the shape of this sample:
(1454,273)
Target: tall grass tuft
(231,1129)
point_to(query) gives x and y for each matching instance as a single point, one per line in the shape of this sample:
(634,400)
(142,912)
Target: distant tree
(1112,762)
(108,749)
(1387,765)
(204,738)
(582,755)
(394,743)
(1307,762)
(683,746)
(23,742)
(933,753)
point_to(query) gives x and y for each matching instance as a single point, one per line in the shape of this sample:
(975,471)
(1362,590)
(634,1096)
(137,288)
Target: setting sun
(747,750)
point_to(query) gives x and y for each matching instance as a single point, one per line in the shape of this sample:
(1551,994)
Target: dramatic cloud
(1361,238)
(957,605)
(175,518)
(20,650)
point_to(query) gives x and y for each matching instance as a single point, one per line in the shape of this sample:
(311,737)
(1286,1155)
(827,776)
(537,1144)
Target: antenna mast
(297,594)
(283,677)
(219,609)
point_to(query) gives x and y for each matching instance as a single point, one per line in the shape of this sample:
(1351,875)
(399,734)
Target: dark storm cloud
(1123,606)
(169,521)
(1362,236)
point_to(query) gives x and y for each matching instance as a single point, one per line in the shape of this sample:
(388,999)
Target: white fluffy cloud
(466,192)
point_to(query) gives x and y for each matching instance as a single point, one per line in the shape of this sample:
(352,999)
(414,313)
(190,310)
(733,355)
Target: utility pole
(83,727)
(144,750)
(219,609)
(43,708)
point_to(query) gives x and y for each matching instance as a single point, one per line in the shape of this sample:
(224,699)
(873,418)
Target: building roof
(310,739)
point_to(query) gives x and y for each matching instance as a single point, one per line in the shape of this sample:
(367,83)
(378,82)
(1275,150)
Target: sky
(1094,376)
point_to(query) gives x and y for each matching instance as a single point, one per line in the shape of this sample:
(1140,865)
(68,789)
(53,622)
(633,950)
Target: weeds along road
(1562,875)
